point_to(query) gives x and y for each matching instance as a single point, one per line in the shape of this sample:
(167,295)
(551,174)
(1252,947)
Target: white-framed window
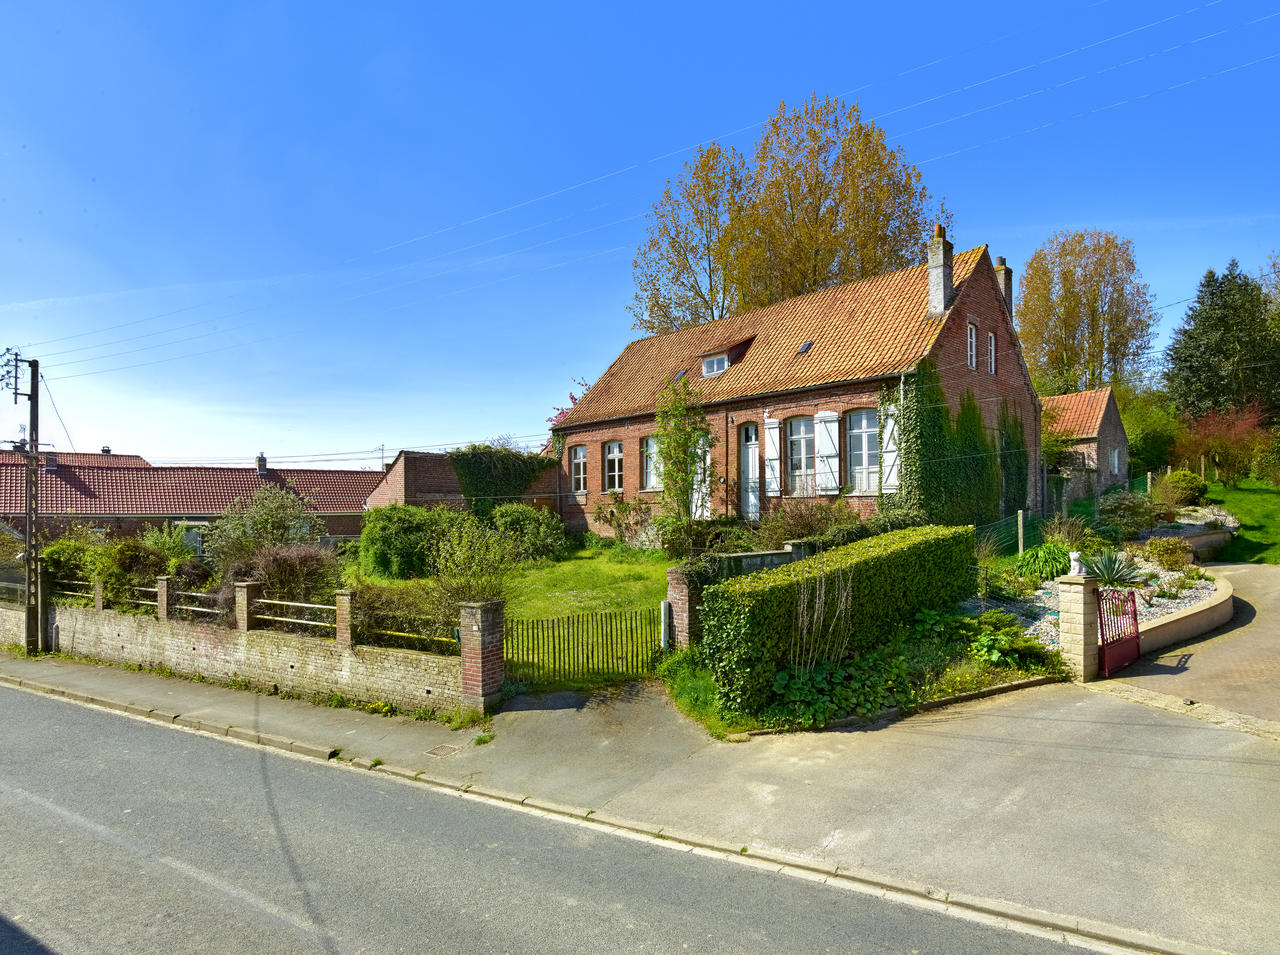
(801,457)
(991,353)
(1115,460)
(973,346)
(862,450)
(578,466)
(714,365)
(650,465)
(613,466)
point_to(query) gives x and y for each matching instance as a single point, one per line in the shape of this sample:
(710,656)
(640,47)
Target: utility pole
(33,640)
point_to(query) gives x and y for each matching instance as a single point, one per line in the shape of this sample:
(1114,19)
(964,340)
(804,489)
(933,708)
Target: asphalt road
(119,835)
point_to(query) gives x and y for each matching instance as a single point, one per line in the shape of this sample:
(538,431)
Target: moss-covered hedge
(827,608)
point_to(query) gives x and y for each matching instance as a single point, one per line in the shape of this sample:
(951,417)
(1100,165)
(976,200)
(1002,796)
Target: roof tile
(1079,413)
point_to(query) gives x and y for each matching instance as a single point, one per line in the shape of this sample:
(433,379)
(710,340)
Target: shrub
(826,607)
(402,541)
(1114,570)
(1071,533)
(1043,562)
(170,540)
(1171,553)
(802,517)
(629,519)
(533,533)
(306,573)
(411,608)
(71,557)
(273,517)
(1179,489)
(473,565)
(1129,513)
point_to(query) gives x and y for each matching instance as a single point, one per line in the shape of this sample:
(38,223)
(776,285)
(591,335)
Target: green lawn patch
(1257,505)
(589,581)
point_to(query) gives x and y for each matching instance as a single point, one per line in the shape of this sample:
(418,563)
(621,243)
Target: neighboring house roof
(872,328)
(1078,414)
(178,491)
(81,458)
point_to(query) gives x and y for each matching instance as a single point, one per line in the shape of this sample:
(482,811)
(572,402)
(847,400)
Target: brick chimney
(262,464)
(1004,279)
(941,291)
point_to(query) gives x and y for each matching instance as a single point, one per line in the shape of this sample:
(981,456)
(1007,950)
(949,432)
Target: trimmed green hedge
(828,607)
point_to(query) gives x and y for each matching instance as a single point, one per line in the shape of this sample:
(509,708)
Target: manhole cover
(444,749)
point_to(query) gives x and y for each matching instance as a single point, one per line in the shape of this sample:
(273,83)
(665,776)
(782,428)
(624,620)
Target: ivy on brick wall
(491,475)
(1015,463)
(949,468)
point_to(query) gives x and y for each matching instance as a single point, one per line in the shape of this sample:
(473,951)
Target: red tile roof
(177,491)
(1079,413)
(82,459)
(866,329)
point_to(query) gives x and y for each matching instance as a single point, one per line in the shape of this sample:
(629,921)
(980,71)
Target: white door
(750,459)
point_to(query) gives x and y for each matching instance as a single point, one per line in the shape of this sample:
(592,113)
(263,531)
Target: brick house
(791,391)
(1098,456)
(114,494)
(428,479)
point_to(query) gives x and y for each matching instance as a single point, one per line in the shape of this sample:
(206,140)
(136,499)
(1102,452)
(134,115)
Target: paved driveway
(1236,667)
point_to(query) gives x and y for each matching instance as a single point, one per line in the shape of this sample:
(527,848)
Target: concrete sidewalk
(1054,798)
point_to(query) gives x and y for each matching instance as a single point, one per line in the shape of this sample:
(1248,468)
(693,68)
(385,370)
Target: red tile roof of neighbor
(1079,413)
(81,458)
(178,491)
(867,329)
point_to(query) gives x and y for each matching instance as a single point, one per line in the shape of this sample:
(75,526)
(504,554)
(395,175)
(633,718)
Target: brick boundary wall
(270,660)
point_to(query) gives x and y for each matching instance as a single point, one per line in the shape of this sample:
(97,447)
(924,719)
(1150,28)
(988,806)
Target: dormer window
(714,365)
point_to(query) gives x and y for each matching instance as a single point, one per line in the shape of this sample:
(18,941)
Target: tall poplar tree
(1084,314)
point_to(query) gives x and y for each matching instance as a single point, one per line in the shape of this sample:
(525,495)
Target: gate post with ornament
(1078,625)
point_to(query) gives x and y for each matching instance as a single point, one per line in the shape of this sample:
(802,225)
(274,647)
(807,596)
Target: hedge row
(827,608)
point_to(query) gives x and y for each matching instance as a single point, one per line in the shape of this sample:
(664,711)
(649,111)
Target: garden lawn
(1257,505)
(589,581)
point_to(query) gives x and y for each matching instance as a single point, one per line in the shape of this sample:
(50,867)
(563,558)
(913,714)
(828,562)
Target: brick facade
(428,479)
(979,302)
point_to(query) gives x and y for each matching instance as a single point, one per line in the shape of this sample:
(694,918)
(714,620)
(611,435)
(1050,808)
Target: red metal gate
(1117,630)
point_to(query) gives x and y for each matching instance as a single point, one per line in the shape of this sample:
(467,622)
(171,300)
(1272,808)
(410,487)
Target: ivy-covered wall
(951,467)
(490,476)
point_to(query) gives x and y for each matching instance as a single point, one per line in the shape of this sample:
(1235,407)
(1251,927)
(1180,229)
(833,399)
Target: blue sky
(314,229)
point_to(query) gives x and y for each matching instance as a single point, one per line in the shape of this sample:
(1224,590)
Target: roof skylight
(804,348)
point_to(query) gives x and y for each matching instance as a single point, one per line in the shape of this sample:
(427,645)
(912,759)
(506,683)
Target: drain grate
(444,749)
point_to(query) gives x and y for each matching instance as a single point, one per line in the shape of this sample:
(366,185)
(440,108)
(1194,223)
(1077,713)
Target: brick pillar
(162,598)
(684,595)
(483,667)
(97,595)
(1078,625)
(247,592)
(342,616)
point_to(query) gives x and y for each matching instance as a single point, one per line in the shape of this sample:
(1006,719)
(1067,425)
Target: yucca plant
(1113,569)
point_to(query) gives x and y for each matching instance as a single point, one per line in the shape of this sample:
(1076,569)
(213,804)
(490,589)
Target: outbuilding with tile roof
(791,390)
(1098,453)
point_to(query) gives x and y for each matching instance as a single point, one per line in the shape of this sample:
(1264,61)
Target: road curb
(1011,916)
(1205,712)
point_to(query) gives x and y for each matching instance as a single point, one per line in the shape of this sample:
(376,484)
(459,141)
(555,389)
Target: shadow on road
(15,941)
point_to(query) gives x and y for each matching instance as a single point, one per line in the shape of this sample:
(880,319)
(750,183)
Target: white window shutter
(889,451)
(826,426)
(772,457)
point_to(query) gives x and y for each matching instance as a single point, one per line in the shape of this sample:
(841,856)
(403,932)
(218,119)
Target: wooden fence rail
(589,646)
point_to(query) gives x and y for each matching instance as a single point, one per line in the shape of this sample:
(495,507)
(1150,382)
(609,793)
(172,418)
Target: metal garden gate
(1118,643)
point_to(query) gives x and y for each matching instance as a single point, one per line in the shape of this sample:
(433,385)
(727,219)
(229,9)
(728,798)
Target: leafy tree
(1228,440)
(1152,425)
(684,442)
(826,201)
(681,270)
(1226,353)
(1055,442)
(273,517)
(1084,314)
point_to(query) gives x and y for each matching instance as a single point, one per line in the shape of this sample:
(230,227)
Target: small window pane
(578,467)
(613,466)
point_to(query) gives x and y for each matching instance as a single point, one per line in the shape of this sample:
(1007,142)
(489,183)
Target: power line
(57,413)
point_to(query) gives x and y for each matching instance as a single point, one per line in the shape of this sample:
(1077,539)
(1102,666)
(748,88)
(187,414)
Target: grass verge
(587,581)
